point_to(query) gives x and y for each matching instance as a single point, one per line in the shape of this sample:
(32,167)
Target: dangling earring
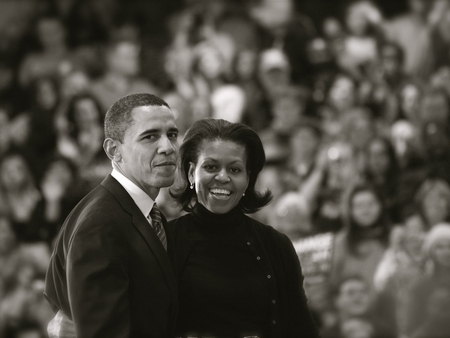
(191,186)
(243,194)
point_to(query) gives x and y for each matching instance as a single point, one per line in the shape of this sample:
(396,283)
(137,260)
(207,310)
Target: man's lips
(165,163)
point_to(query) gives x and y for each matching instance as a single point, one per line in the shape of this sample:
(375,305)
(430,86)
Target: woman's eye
(210,167)
(235,170)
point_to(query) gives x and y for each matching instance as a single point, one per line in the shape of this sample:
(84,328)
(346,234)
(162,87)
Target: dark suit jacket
(109,272)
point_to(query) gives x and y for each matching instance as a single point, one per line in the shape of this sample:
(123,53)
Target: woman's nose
(222,176)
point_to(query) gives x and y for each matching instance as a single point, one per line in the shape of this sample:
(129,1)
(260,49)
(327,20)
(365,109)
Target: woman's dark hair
(71,111)
(393,170)
(379,230)
(218,129)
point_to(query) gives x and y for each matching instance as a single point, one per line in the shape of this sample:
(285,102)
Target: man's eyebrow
(150,131)
(157,131)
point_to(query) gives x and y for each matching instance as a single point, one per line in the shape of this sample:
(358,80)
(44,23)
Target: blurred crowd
(351,101)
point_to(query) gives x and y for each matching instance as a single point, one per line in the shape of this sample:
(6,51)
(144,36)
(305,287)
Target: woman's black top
(237,278)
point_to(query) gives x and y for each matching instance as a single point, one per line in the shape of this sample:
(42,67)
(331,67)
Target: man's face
(149,149)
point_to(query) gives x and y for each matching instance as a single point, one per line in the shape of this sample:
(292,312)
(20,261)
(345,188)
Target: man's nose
(166,146)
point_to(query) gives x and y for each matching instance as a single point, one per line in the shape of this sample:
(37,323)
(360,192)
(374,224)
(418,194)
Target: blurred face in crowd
(441,252)
(410,99)
(390,60)
(414,234)
(304,144)
(51,32)
(361,129)
(287,111)
(342,93)
(435,108)
(124,58)
(435,206)
(210,63)
(356,20)
(365,208)
(220,175)
(353,298)
(14,172)
(246,61)
(86,113)
(378,157)
(60,173)
(7,236)
(341,165)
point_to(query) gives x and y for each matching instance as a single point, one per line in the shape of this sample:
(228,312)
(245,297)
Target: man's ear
(112,149)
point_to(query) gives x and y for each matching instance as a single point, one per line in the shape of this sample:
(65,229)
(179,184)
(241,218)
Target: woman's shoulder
(268,232)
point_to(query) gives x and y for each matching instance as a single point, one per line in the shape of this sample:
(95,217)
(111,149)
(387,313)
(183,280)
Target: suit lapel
(141,224)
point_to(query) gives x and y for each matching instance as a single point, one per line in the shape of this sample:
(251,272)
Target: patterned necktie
(155,215)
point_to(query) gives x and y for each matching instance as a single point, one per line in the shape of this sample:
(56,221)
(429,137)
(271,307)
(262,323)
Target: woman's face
(211,63)
(441,252)
(366,208)
(342,93)
(86,113)
(379,160)
(220,175)
(435,206)
(246,64)
(14,172)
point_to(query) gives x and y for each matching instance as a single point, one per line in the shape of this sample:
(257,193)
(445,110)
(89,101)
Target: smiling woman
(236,276)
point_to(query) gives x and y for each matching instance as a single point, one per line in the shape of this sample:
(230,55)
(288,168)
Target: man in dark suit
(111,270)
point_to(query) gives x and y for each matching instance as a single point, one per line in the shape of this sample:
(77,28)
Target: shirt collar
(142,200)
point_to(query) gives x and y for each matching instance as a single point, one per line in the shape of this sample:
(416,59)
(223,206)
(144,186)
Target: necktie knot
(155,216)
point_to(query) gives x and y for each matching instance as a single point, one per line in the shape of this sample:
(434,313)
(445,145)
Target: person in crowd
(226,100)
(428,310)
(361,243)
(122,73)
(54,58)
(323,190)
(21,277)
(41,141)
(110,271)
(223,255)
(81,139)
(413,32)
(353,303)
(433,201)
(402,264)
(22,198)
(382,170)
(360,46)
(256,113)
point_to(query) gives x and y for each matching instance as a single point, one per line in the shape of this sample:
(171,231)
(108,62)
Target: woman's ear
(112,149)
(191,173)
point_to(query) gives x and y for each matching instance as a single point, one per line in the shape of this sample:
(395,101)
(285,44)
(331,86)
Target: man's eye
(150,137)
(172,135)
